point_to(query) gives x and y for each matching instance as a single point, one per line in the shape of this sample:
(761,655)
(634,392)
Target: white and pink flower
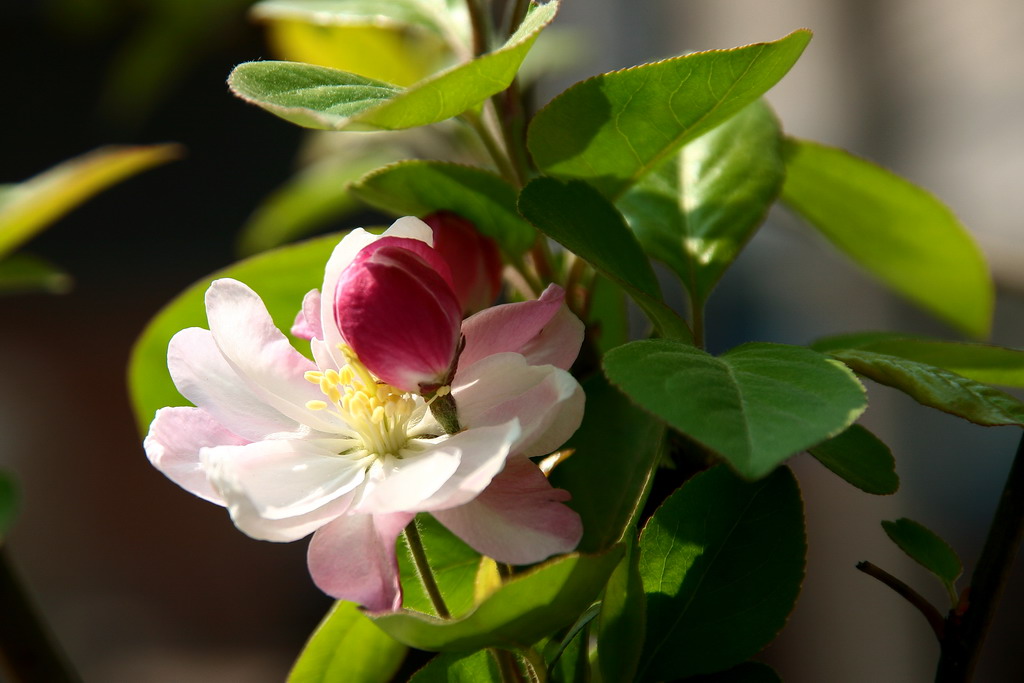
(345,447)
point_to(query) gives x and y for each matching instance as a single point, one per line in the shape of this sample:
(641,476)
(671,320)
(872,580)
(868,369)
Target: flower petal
(307,323)
(261,354)
(543,330)
(518,519)
(353,558)
(283,489)
(547,401)
(173,443)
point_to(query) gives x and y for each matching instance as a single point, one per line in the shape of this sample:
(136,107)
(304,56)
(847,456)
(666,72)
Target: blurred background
(143,582)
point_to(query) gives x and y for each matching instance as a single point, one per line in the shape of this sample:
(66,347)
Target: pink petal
(474,259)
(547,401)
(518,519)
(283,489)
(538,329)
(307,321)
(173,444)
(353,558)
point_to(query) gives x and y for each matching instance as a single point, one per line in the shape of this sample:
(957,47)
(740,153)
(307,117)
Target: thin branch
(926,608)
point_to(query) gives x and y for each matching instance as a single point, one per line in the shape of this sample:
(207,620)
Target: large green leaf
(325,98)
(617,449)
(281,277)
(421,187)
(981,362)
(860,457)
(722,562)
(697,210)
(928,549)
(457,667)
(453,563)
(755,405)
(524,609)
(27,273)
(577,216)
(623,618)
(896,230)
(346,646)
(936,387)
(612,129)
(28,207)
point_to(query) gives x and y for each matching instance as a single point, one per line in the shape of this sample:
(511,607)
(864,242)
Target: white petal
(411,227)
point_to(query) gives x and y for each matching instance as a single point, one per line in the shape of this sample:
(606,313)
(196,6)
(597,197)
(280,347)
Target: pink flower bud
(473,258)
(395,307)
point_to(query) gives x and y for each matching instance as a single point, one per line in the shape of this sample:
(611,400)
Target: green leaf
(418,188)
(456,667)
(612,129)
(28,207)
(578,217)
(27,273)
(755,405)
(894,229)
(860,457)
(722,562)
(747,672)
(608,322)
(524,609)
(281,277)
(618,448)
(623,618)
(697,210)
(936,387)
(346,646)
(454,565)
(325,98)
(927,549)
(981,362)
(8,503)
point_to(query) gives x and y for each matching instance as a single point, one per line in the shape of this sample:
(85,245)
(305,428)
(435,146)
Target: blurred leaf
(612,129)
(936,387)
(860,457)
(696,211)
(894,229)
(419,188)
(346,646)
(747,672)
(927,549)
(457,667)
(281,277)
(981,362)
(575,215)
(722,562)
(396,41)
(28,207)
(9,503)
(623,618)
(320,97)
(27,273)
(524,609)
(754,405)
(454,565)
(618,447)
(608,317)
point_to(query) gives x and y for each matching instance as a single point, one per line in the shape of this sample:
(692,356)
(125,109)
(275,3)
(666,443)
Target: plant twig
(966,632)
(419,558)
(926,608)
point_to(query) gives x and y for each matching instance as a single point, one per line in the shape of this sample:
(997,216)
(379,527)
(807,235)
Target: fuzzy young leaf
(722,562)
(454,565)
(613,129)
(936,387)
(697,210)
(927,549)
(860,457)
(418,188)
(894,229)
(325,98)
(346,646)
(755,405)
(577,216)
(523,610)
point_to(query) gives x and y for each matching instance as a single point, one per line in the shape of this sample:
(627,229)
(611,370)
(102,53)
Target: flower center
(378,413)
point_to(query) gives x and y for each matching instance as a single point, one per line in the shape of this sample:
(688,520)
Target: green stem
(494,148)
(419,558)
(966,632)
(29,652)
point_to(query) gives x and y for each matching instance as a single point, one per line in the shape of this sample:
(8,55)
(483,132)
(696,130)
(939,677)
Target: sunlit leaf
(612,129)
(860,457)
(894,229)
(346,646)
(623,618)
(453,563)
(457,667)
